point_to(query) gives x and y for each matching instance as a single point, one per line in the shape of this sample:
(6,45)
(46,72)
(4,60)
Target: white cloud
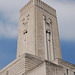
(8,31)
(9,10)
(65,14)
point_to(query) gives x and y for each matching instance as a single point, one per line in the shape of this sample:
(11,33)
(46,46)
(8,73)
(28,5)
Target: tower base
(29,64)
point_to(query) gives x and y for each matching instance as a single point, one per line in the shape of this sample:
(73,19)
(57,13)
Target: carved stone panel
(48,34)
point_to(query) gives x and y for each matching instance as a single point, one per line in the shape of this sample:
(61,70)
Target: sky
(9,19)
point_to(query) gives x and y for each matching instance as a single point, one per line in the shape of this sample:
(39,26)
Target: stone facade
(38,51)
(38,31)
(29,64)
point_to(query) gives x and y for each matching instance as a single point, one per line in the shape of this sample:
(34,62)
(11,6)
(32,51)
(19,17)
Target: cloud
(8,30)
(11,8)
(65,14)
(9,17)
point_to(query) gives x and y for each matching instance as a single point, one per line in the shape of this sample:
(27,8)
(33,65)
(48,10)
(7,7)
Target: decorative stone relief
(28,17)
(48,34)
(25,26)
(25,19)
(48,20)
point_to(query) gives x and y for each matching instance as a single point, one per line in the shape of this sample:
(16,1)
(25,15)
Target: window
(48,44)
(64,74)
(23,74)
(7,73)
(74,73)
(67,71)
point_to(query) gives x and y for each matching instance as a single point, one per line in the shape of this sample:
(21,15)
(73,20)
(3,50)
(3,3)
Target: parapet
(41,5)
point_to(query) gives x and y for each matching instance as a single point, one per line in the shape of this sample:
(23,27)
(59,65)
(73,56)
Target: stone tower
(38,51)
(38,31)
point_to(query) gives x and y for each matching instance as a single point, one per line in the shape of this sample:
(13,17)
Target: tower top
(40,4)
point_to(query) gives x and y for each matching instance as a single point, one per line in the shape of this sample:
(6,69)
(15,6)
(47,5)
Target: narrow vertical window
(64,74)
(25,33)
(67,71)
(48,44)
(74,73)
(7,73)
(23,74)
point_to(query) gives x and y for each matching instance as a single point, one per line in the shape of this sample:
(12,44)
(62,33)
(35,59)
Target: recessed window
(67,71)
(74,73)
(23,74)
(64,74)
(7,73)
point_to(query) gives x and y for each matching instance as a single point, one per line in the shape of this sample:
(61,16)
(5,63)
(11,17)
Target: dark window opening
(67,71)
(74,73)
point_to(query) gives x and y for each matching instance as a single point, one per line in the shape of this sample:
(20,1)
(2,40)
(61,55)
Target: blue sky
(9,17)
